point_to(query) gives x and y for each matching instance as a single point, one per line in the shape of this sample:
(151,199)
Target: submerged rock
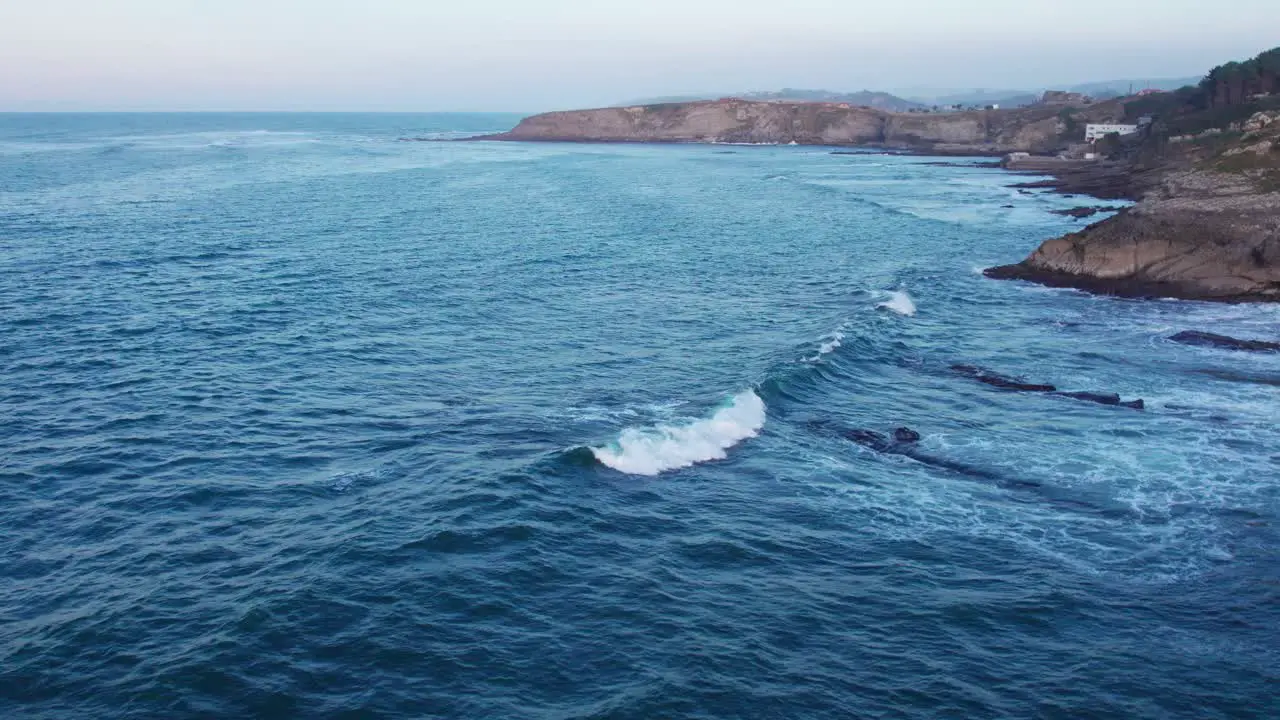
(1100,398)
(905,442)
(1111,399)
(869,438)
(1233,376)
(1003,382)
(906,435)
(880,441)
(1204,339)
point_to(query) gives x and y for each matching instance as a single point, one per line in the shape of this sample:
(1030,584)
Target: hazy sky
(529,55)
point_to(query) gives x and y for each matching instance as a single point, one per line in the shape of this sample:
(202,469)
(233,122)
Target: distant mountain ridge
(1102,90)
(1117,88)
(906,100)
(864,98)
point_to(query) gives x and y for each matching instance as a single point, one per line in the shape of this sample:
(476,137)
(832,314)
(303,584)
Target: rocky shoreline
(1206,225)
(1101,180)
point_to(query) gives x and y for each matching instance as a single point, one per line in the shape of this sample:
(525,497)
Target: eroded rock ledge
(1207,224)
(1200,235)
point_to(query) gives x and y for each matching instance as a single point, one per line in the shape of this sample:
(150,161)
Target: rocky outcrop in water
(1004,382)
(1112,399)
(905,442)
(986,377)
(1205,339)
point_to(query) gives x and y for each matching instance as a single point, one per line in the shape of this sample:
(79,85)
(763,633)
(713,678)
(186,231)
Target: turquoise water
(301,420)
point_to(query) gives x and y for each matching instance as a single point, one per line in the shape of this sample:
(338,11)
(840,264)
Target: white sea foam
(900,302)
(829,345)
(658,449)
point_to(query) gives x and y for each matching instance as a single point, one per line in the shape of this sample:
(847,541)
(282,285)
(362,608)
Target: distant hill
(865,98)
(1003,98)
(1103,90)
(1118,88)
(927,98)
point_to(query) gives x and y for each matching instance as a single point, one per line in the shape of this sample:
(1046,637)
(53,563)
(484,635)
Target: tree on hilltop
(1235,83)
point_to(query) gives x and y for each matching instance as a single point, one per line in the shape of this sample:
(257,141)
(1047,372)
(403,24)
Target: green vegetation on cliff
(1229,94)
(1206,174)
(1237,83)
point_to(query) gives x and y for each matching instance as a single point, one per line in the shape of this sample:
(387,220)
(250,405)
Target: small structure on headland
(1026,162)
(1093,132)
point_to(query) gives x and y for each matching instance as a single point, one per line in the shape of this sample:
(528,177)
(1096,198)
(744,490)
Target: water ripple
(301,420)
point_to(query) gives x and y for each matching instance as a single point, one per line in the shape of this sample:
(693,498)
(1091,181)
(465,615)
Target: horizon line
(263,112)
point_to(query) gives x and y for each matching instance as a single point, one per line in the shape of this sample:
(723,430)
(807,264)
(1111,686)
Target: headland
(1201,163)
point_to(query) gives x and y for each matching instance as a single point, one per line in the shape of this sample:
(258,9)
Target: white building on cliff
(1097,132)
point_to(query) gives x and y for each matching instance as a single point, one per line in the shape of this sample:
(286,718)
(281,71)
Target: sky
(534,55)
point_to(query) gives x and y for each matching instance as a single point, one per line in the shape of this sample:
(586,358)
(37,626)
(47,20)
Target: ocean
(301,419)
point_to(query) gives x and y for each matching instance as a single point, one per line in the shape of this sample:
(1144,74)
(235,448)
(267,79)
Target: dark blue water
(303,421)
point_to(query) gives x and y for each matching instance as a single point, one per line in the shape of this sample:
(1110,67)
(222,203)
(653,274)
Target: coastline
(1194,232)
(837,148)
(1120,288)
(993,132)
(1105,181)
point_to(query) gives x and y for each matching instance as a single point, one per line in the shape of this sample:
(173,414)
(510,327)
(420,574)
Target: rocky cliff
(1207,225)
(1036,129)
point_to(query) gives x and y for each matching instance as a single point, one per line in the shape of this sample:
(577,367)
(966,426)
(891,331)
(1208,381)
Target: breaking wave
(829,345)
(661,448)
(900,302)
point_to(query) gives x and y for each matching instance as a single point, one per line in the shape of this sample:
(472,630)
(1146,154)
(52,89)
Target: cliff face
(1208,228)
(739,121)
(1211,249)
(720,121)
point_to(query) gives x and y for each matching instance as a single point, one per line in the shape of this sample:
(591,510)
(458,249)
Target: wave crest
(830,344)
(655,450)
(900,302)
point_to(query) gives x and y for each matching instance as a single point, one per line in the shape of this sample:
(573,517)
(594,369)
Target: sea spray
(829,345)
(832,344)
(661,448)
(899,302)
